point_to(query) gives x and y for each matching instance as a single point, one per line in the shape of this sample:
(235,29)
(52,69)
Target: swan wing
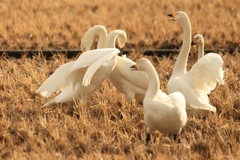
(194,98)
(109,56)
(205,74)
(136,78)
(56,82)
(89,57)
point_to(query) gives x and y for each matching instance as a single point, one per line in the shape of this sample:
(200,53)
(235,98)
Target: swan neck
(200,50)
(111,40)
(102,36)
(181,63)
(154,83)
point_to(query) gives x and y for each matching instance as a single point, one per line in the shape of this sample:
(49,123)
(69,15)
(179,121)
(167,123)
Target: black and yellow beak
(172,16)
(134,67)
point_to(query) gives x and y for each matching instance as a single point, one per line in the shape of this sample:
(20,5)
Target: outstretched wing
(205,74)
(109,60)
(56,81)
(89,57)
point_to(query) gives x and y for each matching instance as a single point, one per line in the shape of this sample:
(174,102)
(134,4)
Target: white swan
(199,41)
(130,83)
(89,71)
(201,79)
(56,82)
(89,62)
(162,112)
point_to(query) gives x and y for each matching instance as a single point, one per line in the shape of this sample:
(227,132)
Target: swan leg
(174,137)
(148,135)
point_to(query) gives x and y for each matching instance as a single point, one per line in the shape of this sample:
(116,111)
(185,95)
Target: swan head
(179,16)
(197,39)
(85,45)
(141,65)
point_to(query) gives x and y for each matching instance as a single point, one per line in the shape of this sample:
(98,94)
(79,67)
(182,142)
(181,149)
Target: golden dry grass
(108,126)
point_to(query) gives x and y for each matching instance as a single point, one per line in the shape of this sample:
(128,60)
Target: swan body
(162,112)
(83,76)
(100,63)
(196,84)
(78,74)
(56,82)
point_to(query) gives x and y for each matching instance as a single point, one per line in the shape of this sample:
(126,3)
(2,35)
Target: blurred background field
(108,126)
(42,24)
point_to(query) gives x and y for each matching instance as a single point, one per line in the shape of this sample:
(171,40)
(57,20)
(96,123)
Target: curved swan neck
(99,30)
(102,38)
(154,83)
(181,63)
(116,34)
(200,49)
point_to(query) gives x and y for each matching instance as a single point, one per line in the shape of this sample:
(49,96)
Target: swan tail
(192,110)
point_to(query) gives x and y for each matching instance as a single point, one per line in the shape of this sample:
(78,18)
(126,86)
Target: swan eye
(84,50)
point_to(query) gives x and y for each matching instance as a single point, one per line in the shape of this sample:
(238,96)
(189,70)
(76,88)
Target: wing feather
(56,82)
(205,74)
(89,57)
(95,66)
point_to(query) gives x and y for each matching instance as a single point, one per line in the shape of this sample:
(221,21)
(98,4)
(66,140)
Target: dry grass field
(108,126)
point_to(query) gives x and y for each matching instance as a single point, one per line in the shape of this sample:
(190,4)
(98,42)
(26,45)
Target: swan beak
(172,16)
(194,41)
(134,67)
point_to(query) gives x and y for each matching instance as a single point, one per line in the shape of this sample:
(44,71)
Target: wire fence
(72,53)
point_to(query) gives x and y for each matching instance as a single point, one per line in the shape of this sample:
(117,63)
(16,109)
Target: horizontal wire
(72,53)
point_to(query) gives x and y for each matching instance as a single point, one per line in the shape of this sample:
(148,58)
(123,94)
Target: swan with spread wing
(70,77)
(199,41)
(57,81)
(198,82)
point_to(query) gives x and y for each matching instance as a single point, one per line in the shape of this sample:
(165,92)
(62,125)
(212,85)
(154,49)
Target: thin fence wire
(72,53)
